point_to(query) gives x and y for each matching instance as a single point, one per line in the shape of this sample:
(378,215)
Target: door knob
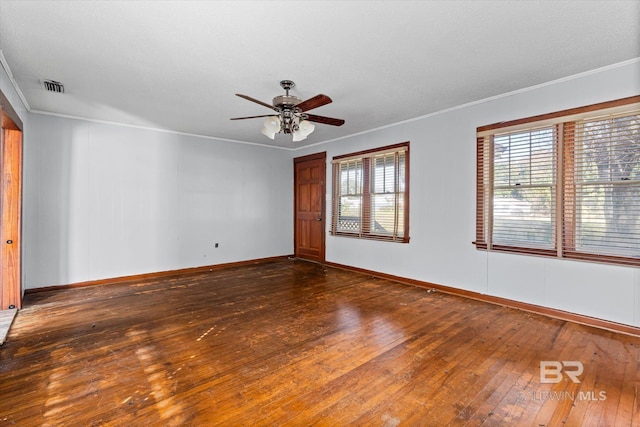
(9,242)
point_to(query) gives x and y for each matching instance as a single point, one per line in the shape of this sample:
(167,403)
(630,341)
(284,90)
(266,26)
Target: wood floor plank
(496,399)
(629,402)
(292,343)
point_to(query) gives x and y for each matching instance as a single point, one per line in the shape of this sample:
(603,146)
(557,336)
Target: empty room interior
(375,213)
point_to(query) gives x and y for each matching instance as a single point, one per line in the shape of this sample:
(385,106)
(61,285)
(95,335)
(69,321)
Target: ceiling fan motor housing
(284,101)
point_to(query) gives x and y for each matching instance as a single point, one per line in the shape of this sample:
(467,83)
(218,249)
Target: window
(371,194)
(565,184)
(524,188)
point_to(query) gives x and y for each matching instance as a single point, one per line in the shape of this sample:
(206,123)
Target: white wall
(442,207)
(106,201)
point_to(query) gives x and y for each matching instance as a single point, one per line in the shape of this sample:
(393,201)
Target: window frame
(367,159)
(566,225)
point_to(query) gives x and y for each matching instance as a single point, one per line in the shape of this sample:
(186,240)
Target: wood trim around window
(358,154)
(366,157)
(566,122)
(565,115)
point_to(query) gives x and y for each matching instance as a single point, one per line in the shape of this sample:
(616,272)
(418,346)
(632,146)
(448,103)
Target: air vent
(53,86)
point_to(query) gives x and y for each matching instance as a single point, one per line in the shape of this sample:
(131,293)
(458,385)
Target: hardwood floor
(297,343)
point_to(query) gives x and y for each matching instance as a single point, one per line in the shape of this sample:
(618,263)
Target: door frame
(316,156)
(10,206)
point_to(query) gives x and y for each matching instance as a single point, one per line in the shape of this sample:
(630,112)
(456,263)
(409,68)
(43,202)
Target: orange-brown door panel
(309,215)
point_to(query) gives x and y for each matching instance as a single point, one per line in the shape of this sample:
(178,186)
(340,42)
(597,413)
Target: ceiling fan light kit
(291,117)
(272,125)
(305,128)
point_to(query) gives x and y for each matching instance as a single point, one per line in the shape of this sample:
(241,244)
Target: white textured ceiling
(176,65)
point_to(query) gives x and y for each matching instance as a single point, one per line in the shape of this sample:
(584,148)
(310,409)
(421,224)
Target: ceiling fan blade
(315,102)
(253,117)
(248,98)
(325,120)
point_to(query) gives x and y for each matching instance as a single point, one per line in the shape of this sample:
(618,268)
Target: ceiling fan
(292,114)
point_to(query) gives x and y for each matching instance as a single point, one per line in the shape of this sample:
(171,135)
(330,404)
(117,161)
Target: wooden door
(309,215)
(10,209)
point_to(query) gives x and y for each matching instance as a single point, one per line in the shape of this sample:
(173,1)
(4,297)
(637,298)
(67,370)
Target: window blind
(349,197)
(370,194)
(524,188)
(602,194)
(563,184)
